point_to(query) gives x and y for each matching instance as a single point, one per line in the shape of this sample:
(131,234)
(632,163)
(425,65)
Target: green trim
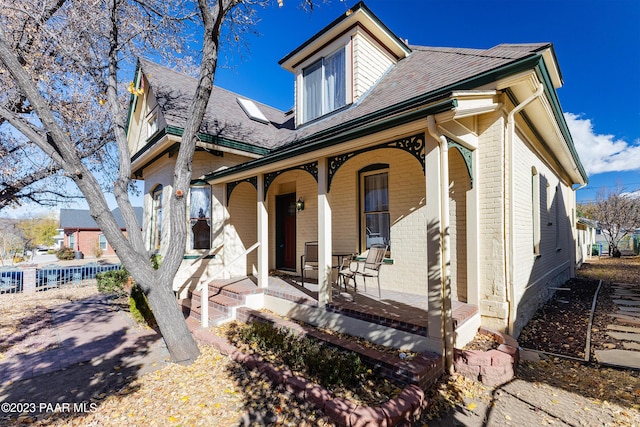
(224,142)
(543,74)
(354,9)
(323,140)
(388,261)
(196,256)
(132,100)
(466,154)
(176,131)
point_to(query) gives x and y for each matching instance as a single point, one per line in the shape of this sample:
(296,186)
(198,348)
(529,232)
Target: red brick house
(81,233)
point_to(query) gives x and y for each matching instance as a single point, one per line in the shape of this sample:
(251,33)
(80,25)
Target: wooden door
(286,231)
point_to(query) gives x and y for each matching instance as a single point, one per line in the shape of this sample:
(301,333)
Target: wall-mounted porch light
(300,204)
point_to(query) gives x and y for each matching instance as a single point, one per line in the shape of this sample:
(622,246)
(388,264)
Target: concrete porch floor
(400,310)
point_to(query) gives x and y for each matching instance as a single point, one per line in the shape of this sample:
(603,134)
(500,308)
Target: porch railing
(204,296)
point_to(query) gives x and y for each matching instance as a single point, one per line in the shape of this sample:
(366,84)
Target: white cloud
(601,153)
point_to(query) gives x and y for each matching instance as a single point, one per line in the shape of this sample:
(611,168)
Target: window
(102,241)
(156,219)
(535,209)
(324,86)
(72,241)
(200,217)
(374,202)
(152,125)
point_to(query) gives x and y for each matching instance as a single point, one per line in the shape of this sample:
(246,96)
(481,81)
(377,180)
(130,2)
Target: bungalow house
(82,234)
(458,160)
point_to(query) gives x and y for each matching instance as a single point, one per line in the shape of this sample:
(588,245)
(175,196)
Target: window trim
(193,220)
(320,64)
(155,222)
(535,210)
(152,125)
(103,239)
(373,169)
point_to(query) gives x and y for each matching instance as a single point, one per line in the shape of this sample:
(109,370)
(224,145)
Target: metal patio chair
(371,267)
(309,260)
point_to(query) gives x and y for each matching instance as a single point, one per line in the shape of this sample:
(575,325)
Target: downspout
(445,257)
(508,237)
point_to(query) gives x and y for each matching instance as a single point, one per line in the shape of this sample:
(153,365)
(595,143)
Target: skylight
(252,110)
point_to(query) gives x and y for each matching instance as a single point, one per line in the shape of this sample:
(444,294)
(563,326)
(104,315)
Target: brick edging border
(401,410)
(492,368)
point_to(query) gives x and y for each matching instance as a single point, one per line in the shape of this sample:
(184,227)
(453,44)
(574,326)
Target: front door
(286,232)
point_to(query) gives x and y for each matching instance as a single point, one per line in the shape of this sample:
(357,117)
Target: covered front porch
(395,319)
(409,188)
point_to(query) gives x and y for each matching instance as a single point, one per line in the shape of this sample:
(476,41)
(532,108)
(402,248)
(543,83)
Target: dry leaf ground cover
(215,391)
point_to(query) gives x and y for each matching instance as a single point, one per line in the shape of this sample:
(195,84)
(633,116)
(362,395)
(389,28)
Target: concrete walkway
(87,330)
(625,327)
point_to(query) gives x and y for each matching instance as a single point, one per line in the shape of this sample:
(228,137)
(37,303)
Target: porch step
(422,370)
(225,296)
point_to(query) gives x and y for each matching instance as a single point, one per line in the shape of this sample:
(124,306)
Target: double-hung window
(156,219)
(200,217)
(102,242)
(324,86)
(374,188)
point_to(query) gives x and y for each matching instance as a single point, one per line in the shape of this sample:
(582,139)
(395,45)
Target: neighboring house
(58,240)
(460,160)
(82,234)
(585,240)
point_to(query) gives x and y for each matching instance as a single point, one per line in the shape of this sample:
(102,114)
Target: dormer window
(324,85)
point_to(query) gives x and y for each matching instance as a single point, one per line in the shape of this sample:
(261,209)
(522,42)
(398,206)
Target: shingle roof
(426,70)
(224,117)
(80,218)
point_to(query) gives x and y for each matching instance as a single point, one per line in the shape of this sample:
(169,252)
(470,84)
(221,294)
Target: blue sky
(597,44)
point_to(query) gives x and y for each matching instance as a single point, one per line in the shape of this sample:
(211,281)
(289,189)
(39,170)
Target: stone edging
(493,367)
(402,410)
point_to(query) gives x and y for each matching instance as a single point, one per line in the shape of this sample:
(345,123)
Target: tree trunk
(182,347)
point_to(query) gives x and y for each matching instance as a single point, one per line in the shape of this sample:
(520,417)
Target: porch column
(473,237)
(324,234)
(434,263)
(263,235)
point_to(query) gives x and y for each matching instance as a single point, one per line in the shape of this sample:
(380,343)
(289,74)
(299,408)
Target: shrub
(139,307)
(113,282)
(97,250)
(65,253)
(329,365)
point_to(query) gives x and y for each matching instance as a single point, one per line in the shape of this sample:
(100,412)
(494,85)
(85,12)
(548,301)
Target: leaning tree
(64,105)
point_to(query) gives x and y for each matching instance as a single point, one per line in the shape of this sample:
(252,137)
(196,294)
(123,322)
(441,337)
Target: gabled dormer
(341,63)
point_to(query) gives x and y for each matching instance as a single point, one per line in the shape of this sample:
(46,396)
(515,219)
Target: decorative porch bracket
(466,155)
(232,185)
(312,168)
(413,145)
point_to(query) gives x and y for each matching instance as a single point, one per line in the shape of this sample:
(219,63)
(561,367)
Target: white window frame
(155,223)
(325,105)
(365,235)
(195,215)
(102,241)
(152,125)
(535,210)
